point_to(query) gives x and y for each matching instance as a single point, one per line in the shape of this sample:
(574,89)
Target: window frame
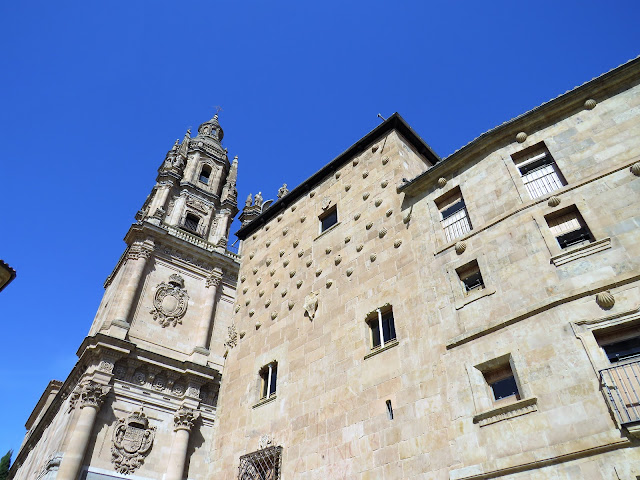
(328,214)
(208,177)
(384,317)
(185,226)
(456,223)
(268,380)
(572,213)
(544,184)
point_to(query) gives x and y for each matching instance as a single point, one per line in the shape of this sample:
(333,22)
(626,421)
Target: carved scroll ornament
(170,302)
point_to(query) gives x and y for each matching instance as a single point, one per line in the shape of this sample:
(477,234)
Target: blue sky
(95,93)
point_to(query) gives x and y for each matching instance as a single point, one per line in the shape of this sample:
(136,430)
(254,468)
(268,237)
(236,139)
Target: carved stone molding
(132,440)
(214,279)
(93,394)
(170,302)
(311,305)
(185,418)
(232,336)
(265,441)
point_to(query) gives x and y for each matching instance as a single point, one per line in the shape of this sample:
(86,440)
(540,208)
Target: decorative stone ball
(373,257)
(291,304)
(521,137)
(442,182)
(635,169)
(590,104)
(382,232)
(338,259)
(460,247)
(349,271)
(274,315)
(397,243)
(553,201)
(605,300)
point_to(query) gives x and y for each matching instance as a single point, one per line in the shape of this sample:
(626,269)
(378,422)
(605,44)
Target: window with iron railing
(569,228)
(264,464)
(539,171)
(455,219)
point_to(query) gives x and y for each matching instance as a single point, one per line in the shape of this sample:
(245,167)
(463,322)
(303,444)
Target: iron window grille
(539,171)
(264,464)
(191,223)
(570,229)
(455,218)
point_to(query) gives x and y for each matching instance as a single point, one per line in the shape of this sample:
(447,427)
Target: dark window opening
(388,328)
(503,383)
(470,277)
(205,173)
(456,207)
(329,219)
(620,343)
(269,377)
(569,228)
(191,222)
(621,350)
(576,237)
(389,410)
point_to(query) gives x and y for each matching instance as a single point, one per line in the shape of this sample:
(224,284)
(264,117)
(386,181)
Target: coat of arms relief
(132,441)
(170,301)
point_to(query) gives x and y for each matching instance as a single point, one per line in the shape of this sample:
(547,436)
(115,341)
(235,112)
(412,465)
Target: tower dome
(212,129)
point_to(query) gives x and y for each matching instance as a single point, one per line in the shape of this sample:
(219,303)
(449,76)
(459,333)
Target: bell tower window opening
(205,174)
(191,223)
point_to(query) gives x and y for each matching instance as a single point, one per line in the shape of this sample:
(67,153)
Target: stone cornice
(529,122)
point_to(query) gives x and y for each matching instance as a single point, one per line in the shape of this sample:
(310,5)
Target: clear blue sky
(95,93)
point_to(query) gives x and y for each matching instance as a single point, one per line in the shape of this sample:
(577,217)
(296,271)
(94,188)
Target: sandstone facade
(396,316)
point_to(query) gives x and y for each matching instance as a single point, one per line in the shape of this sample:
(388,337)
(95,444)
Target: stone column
(183,421)
(208,310)
(222,229)
(137,259)
(178,209)
(91,399)
(160,199)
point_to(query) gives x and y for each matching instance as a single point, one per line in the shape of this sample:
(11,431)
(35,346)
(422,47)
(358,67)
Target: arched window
(191,222)
(205,173)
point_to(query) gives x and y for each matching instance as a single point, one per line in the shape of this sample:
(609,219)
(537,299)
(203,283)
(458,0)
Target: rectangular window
(268,379)
(502,383)
(620,344)
(539,171)
(381,321)
(569,227)
(455,219)
(470,277)
(328,219)
(191,223)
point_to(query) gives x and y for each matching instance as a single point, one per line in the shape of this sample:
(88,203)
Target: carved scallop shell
(291,304)
(349,271)
(521,137)
(266,229)
(285,231)
(272,272)
(384,183)
(254,237)
(374,149)
(368,225)
(385,160)
(242,334)
(327,250)
(284,292)
(309,262)
(296,242)
(281,253)
(347,187)
(347,239)
(247,302)
(268,244)
(329,283)
(237,308)
(261,293)
(605,300)
(251,255)
(255,270)
(298,283)
(389,212)
(286,263)
(243,278)
(365,174)
(442,182)
(318,272)
(302,219)
(258,281)
(312,194)
(378,202)
(274,315)
(365,195)
(382,232)
(300,253)
(635,169)
(337,175)
(293,209)
(276,284)
(337,260)
(590,104)
(355,162)
(359,248)
(460,247)
(279,218)
(553,201)
(252,312)
(258,325)
(268,262)
(244,290)
(267,303)
(373,257)
(292,273)
(397,243)
(356,216)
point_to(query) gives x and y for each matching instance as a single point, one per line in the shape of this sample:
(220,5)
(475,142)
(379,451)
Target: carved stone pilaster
(93,394)
(214,279)
(185,418)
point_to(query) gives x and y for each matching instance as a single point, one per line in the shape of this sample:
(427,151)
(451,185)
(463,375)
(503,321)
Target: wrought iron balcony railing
(621,385)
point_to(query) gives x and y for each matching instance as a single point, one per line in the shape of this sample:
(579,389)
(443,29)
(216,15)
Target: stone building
(395,316)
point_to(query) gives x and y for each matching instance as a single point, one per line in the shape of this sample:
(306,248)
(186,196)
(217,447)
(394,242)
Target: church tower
(142,398)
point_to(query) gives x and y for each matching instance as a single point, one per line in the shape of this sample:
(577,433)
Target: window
(191,222)
(268,379)
(502,383)
(470,277)
(455,220)
(539,171)
(620,344)
(381,322)
(569,227)
(205,173)
(262,464)
(328,219)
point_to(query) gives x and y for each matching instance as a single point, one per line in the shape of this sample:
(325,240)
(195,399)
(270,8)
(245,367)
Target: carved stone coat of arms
(132,441)
(170,302)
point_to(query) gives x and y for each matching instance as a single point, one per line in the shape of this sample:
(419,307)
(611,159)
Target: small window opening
(268,379)
(381,322)
(205,173)
(453,210)
(328,219)
(389,410)
(503,383)
(620,343)
(191,222)
(539,171)
(470,277)
(569,228)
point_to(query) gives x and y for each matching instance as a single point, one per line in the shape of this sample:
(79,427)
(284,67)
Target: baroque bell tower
(149,371)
